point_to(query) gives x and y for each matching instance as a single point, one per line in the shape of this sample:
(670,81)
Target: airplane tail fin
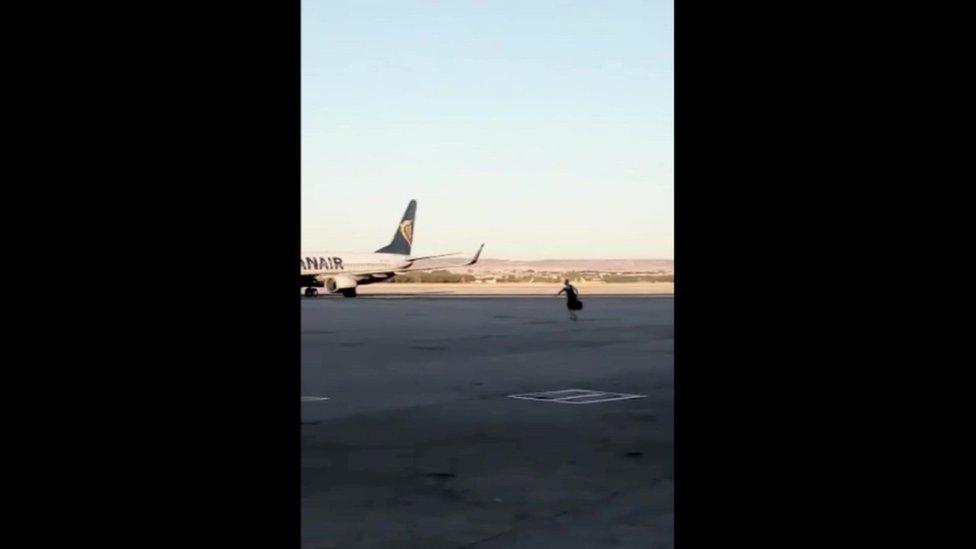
(403,237)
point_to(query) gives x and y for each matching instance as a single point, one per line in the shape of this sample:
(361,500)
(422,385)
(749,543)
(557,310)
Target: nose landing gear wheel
(311,292)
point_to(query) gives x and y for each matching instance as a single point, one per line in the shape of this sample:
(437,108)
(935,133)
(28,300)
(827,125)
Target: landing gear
(351,292)
(311,292)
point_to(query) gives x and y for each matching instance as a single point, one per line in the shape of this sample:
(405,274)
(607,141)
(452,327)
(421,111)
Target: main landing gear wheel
(349,293)
(311,292)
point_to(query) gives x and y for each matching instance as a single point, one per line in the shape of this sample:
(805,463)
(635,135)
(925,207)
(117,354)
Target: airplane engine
(341,283)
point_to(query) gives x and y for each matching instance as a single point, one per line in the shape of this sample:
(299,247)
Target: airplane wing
(431,256)
(472,261)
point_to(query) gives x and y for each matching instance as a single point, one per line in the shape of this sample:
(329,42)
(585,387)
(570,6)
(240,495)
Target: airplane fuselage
(344,263)
(342,272)
(345,270)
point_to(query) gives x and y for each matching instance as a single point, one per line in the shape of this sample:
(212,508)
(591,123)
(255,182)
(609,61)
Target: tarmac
(410,437)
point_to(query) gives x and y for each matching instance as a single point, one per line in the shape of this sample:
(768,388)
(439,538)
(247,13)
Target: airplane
(343,272)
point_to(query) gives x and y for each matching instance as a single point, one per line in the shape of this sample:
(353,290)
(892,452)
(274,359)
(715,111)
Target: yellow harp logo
(406,229)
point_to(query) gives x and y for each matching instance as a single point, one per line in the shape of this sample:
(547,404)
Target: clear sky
(542,128)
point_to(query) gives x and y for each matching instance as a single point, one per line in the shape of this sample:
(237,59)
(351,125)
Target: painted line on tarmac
(575,396)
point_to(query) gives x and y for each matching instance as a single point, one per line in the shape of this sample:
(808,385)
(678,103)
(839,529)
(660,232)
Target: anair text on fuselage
(342,272)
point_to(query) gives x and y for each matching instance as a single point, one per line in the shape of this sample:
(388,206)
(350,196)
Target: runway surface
(419,445)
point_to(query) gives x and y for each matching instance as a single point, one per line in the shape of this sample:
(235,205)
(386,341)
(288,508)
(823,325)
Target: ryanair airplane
(343,272)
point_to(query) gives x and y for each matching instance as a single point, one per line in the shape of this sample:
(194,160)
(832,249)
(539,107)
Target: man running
(572,302)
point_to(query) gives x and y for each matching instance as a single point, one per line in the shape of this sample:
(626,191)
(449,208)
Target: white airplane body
(342,272)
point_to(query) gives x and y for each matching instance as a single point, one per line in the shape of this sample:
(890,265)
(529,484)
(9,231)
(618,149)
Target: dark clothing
(572,302)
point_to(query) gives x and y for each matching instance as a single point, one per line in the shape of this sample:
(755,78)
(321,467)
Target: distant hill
(602,265)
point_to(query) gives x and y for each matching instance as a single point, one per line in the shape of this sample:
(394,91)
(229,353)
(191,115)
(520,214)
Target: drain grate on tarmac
(575,396)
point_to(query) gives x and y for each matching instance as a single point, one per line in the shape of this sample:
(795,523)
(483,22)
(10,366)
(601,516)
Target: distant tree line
(638,278)
(434,276)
